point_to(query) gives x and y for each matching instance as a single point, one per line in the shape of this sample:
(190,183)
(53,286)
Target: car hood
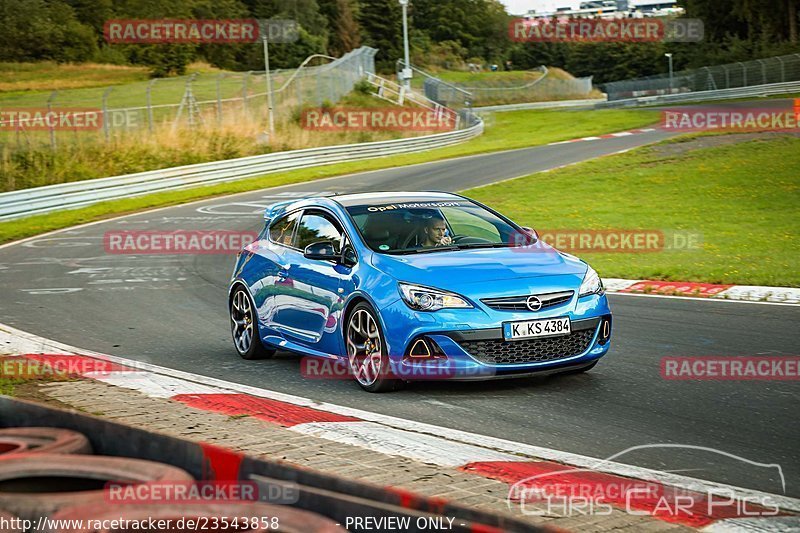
(456,269)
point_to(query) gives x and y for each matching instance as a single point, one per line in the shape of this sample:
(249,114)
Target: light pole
(270,113)
(407,63)
(669,56)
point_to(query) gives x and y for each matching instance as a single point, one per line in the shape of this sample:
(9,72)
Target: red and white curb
(739,293)
(606,136)
(511,462)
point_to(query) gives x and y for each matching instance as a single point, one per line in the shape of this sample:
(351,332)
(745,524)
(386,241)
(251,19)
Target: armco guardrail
(18,204)
(557,104)
(755,91)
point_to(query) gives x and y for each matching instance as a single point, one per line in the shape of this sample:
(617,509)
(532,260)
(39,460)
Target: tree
(381,24)
(345,32)
(36,30)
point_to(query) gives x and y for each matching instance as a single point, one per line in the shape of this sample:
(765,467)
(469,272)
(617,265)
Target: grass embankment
(24,78)
(31,84)
(744,199)
(509,87)
(87,156)
(27,159)
(505,131)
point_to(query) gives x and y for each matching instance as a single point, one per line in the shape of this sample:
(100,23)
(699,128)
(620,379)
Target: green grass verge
(7,386)
(743,198)
(510,130)
(31,84)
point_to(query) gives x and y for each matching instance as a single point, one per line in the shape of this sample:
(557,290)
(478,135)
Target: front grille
(500,352)
(519,303)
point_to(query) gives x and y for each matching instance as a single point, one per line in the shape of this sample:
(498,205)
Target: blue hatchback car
(397,287)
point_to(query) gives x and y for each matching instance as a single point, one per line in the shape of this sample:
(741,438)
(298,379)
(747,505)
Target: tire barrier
(29,484)
(9,446)
(8,523)
(241,517)
(43,440)
(36,485)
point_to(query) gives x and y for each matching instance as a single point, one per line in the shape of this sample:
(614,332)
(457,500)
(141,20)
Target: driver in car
(435,233)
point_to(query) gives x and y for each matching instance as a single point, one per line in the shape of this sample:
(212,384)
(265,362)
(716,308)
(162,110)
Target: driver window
(317,227)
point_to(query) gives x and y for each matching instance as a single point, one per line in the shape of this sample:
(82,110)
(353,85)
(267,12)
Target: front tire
(244,327)
(366,351)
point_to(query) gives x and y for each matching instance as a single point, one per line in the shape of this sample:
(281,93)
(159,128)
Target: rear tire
(244,327)
(366,351)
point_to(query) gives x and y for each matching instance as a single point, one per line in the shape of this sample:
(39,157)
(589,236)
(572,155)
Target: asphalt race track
(171,311)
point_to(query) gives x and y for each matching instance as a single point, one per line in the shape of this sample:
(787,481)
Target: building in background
(612,9)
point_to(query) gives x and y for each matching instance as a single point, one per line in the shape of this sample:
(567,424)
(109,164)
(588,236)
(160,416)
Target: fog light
(420,348)
(605,331)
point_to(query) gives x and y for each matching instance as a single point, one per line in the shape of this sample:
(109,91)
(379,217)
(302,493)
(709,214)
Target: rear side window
(316,227)
(282,230)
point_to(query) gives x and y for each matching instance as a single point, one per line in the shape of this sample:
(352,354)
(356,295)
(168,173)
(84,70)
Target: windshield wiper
(484,245)
(406,251)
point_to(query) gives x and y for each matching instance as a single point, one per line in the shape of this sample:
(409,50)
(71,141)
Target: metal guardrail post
(220,77)
(319,89)
(52,128)
(106,118)
(244,90)
(150,104)
(763,71)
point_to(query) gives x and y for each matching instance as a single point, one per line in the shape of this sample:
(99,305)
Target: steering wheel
(414,235)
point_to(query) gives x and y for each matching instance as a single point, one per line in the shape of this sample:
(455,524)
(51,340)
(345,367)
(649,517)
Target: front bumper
(468,343)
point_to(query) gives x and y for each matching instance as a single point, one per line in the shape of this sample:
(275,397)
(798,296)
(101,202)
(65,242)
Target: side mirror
(321,251)
(531,232)
(349,257)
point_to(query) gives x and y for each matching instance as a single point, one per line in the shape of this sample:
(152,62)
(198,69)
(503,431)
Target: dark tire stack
(43,440)
(48,473)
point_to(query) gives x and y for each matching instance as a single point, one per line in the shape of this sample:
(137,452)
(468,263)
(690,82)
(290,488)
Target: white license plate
(547,327)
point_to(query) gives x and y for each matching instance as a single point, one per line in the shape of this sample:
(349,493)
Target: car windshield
(421,227)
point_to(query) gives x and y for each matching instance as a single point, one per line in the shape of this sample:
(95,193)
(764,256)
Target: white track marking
(769,294)
(521,450)
(696,299)
(392,441)
(775,524)
(617,284)
(152,384)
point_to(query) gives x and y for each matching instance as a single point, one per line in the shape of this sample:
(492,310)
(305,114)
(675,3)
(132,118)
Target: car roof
(372,198)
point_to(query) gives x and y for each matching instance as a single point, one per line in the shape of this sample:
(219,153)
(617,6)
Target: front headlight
(422,298)
(592,284)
